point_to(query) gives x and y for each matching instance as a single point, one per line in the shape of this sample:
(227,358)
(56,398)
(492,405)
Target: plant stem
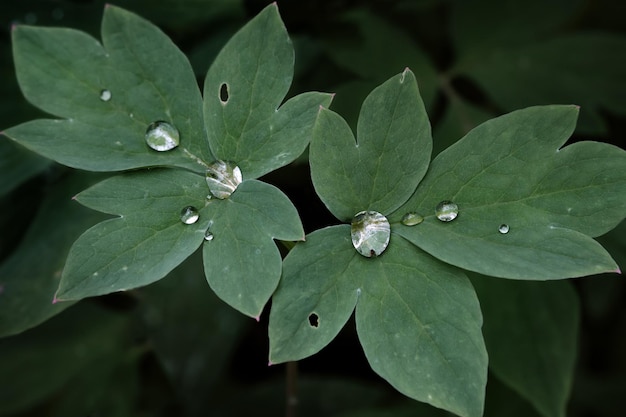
(291,394)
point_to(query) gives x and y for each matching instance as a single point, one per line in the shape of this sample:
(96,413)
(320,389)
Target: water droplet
(223,178)
(208,236)
(411,219)
(162,136)
(105,95)
(447,211)
(189,215)
(504,229)
(370,232)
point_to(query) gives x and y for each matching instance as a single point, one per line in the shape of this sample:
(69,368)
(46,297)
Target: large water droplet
(223,178)
(105,95)
(189,215)
(370,232)
(504,229)
(446,211)
(162,136)
(411,219)
(208,236)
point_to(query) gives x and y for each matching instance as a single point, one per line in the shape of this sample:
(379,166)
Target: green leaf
(145,242)
(585,69)
(419,323)
(417,318)
(391,156)
(531,332)
(27,287)
(242,93)
(241,262)
(63,72)
(511,171)
(316,295)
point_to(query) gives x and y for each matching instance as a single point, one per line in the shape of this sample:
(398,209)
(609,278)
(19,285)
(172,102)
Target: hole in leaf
(224,93)
(313,320)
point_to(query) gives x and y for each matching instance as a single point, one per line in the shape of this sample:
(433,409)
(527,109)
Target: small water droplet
(105,95)
(504,229)
(411,219)
(208,236)
(189,215)
(162,136)
(223,178)
(370,233)
(446,211)
(224,93)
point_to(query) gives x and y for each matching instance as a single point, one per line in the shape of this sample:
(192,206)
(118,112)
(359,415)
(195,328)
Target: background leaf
(585,69)
(243,90)
(63,71)
(146,242)
(44,361)
(27,287)
(531,332)
(242,264)
(391,156)
(17,165)
(509,171)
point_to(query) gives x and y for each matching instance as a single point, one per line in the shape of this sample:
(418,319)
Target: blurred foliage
(172,348)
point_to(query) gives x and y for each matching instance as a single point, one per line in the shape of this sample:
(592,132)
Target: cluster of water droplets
(223,178)
(162,136)
(370,232)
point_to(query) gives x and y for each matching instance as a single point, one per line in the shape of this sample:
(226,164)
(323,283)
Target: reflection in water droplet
(504,229)
(105,95)
(411,219)
(189,215)
(370,232)
(223,178)
(447,211)
(208,236)
(162,136)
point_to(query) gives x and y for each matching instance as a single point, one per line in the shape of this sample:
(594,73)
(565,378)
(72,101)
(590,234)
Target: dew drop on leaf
(223,178)
(189,215)
(370,233)
(208,236)
(162,136)
(446,211)
(411,219)
(504,229)
(105,95)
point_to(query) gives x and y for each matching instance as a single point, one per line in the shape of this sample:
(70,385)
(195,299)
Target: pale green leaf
(145,242)
(243,91)
(417,318)
(241,262)
(419,323)
(381,169)
(26,287)
(316,295)
(531,333)
(511,171)
(63,72)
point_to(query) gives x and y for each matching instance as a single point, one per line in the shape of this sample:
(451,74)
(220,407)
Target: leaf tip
(270,363)
(257,318)
(618,271)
